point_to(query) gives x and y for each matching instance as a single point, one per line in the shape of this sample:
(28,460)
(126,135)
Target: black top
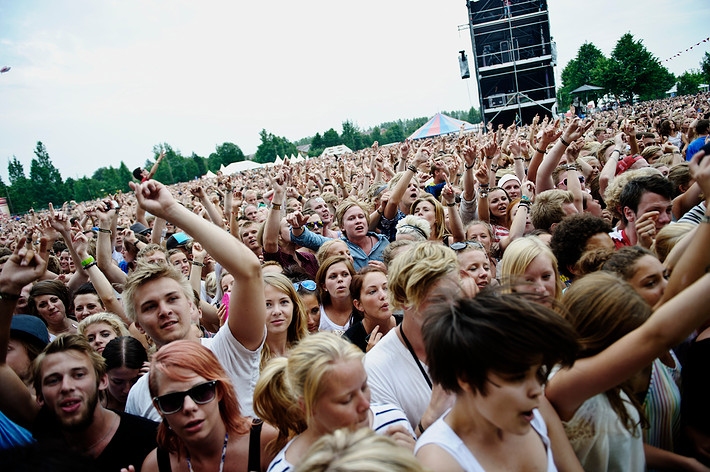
(357,335)
(131,443)
(253,461)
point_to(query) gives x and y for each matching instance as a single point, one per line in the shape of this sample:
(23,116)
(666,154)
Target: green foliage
(46,181)
(585,69)
(689,81)
(331,138)
(705,67)
(272,146)
(633,70)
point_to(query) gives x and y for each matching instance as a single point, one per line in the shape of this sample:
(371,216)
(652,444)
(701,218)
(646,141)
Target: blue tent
(441,124)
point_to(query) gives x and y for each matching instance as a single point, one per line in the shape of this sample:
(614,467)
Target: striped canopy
(440,124)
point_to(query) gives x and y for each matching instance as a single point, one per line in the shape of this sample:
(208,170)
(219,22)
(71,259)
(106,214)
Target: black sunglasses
(173,402)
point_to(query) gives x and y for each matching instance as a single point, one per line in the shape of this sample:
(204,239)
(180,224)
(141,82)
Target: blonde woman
(286,319)
(100,328)
(529,266)
(321,387)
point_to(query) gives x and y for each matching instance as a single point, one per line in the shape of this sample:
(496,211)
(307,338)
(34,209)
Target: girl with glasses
(202,427)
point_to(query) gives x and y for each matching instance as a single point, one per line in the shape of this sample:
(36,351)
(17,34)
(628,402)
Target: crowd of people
(519,298)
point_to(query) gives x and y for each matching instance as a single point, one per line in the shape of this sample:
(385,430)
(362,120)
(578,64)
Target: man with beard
(67,417)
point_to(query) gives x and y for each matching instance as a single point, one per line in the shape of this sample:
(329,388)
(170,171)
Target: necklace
(224,453)
(110,429)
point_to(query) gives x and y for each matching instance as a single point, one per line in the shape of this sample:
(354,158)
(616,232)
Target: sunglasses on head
(580,177)
(173,402)
(307,284)
(314,224)
(460,246)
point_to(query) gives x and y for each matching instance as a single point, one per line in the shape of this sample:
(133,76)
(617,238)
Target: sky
(99,82)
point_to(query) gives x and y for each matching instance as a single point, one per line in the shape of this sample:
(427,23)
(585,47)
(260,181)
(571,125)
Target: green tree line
(630,71)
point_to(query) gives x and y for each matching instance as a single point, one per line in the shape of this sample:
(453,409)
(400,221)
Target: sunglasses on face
(173,402)
(314,224)
(581,180)
(307,284)
(463,245)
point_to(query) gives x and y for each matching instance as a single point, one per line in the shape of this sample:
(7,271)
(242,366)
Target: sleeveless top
(442,435)
(662,406)
(253,462)
(601,441)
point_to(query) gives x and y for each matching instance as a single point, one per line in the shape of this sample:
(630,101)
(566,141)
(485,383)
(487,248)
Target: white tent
(336,150)
(210,174)
(278,161)
(235,167)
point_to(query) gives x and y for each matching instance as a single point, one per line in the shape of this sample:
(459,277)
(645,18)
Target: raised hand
(296,219)
(154,198)
(25,265)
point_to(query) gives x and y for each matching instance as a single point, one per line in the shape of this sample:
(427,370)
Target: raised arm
(104,249)
(572,132)
(154,169)
(695,260)
(455,224)
(420,157)
(25,265)
(609,170)
(666,328)
(272,225)
(209,207)
(247,309)
(103,287)
(550,134)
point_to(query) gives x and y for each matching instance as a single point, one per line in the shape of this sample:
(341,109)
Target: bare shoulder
(268,435)
(437,459)
(150,464)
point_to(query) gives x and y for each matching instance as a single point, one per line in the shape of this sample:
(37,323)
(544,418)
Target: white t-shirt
(326,324)
(241,364)
(395,378)
(441,434)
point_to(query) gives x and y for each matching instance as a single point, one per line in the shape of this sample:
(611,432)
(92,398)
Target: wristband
(87,261)
(4,296)
(539,150)
(562,140)
(451,204)
(89,266)
(420,427)
(489,157)
(296,227)
(103,230)
(483,186)
(517,158)
(276,206)
(412,168)
(197,263)
(468,167)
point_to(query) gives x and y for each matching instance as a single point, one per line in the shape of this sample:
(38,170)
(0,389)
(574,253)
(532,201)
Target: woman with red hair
(202,426)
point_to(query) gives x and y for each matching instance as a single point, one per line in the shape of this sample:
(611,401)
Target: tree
(689,81)
(585,69)
(705,67)
(633,70)
(331,138)
(394,135)
(272,146)
(227,153)
(351,136)
(20,193)
(45,179)
(200,164)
